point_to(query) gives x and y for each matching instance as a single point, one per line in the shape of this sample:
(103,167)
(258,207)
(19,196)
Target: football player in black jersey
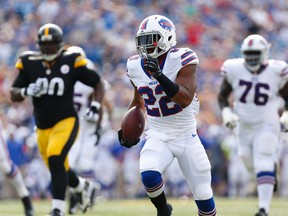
(48,77)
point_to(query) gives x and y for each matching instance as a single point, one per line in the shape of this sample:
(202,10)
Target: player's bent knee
(6,168)
(153,182)
(268,144)
(55,162)
(202,192)
(265,165)
(151,178)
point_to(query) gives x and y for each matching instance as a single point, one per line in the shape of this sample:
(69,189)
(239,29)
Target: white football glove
(33,90)
(230,119)
(284,120)
(92,113)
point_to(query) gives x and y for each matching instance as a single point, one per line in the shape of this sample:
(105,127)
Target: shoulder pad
(79,60)
(277,63)
(132,61)
(71,53)
(234,61)
(177,52)
(227,64)
(186,55)
(279,66)
(29,53)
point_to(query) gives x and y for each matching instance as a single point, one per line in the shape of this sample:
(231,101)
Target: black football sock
(160,201)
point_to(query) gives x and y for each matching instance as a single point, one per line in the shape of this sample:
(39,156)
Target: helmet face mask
(156,35)
(50,41)
(255,51)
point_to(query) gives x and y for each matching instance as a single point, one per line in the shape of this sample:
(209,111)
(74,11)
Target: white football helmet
(156,35)
(255,51)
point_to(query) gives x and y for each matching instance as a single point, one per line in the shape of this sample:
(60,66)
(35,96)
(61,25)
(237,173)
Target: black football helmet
(50,41)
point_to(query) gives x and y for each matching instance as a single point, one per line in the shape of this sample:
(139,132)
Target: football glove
(152,66)
(92,113)
(126,143)
(230,119)
(33,90)
(284,120)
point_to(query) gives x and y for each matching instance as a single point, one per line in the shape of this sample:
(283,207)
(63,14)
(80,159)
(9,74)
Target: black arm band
(168,86)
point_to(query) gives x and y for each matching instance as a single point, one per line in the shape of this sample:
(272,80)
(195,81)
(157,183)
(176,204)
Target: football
(133,124)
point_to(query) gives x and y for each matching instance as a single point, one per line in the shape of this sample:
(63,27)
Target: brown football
(133,124)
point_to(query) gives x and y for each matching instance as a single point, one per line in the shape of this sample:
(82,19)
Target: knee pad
(7,168)
(153,183)
(202,192)
(264,163)
(151,179)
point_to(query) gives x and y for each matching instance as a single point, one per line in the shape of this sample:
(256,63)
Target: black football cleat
(74,203)
(57,212)
(166,211)
(261,212)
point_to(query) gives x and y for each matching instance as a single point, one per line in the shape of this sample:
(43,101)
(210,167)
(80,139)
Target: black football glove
(152,66)
(126,143)
(92,113)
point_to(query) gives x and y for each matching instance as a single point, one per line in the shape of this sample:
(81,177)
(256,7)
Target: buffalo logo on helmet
(250,43)
(165,24)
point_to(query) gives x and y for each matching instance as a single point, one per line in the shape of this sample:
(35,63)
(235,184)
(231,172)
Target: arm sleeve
(87,76)
(21,80)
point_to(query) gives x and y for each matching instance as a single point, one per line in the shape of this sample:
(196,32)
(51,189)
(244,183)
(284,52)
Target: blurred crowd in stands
(106,29)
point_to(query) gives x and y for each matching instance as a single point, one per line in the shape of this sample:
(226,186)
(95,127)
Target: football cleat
(86,198)
(166,211)
(74,203)
(57,212)
(261,212)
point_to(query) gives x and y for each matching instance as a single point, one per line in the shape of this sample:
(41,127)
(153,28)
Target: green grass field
(143,207)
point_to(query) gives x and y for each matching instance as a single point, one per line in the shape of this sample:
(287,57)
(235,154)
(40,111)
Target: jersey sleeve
(87,76)
(283,74)
(225,70)
(189,57)
(80,61)
(22,80)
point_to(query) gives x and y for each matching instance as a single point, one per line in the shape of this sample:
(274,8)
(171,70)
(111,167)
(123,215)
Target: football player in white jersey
(164,80)
(257,83)
(84,149)
(10,170)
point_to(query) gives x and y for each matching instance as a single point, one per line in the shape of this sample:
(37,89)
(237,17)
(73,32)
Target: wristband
(23,92)
(96,104)
(169,87)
